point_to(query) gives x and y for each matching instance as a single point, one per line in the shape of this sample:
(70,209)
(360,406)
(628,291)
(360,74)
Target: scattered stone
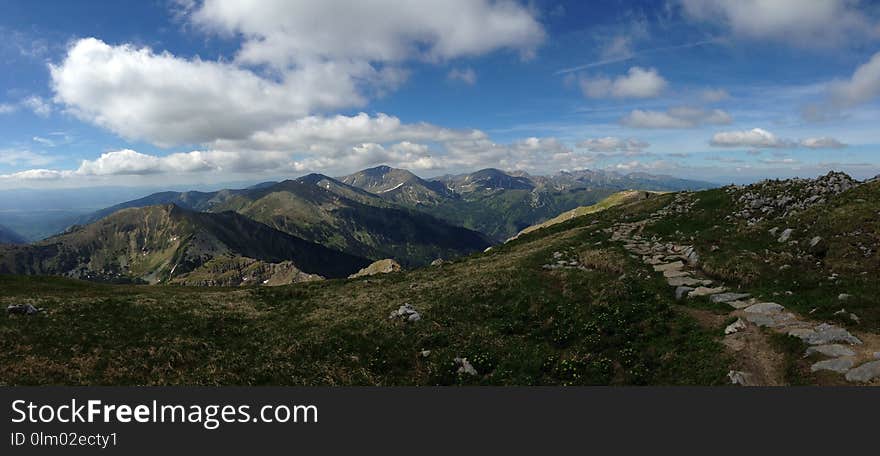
(727,297)
(682,292)
(686,281)
(784,237)
(465,367)
(692,257)
(843,297)
(669,274)
(736,326)
(839,365)
(877,355)
(765,308)
(704,291)
(739,304)
(425,353)
(815,241)
(23,309)
(831,350)
(762,320)
(739,378)
(864,373)
(438,262)
(406,312)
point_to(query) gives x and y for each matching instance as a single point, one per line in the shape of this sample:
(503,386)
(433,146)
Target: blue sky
(206,92)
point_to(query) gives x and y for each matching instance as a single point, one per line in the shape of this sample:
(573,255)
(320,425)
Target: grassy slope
(517,322)
(616,199)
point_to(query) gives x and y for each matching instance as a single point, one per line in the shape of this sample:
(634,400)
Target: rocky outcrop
(377,267)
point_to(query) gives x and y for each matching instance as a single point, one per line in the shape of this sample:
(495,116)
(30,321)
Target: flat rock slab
(831,350)
(864,373)
(738,304)
(726,297)
(824,334)
(669,266)
(765,308)
(761,320)
(675,273)
(685,281)
(704,291)
(839,365)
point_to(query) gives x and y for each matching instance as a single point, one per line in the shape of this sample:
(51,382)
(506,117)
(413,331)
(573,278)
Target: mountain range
(378,213)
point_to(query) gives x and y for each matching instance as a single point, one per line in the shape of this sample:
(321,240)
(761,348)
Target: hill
(167,243)
(625,197)
(331,213)
(8,236)
(591,300)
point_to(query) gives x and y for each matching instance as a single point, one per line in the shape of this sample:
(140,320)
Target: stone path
(844,353)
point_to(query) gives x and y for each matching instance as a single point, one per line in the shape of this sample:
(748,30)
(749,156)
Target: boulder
(406,313)
(726,297)
(831,350)
(734,327)
(378,267)
(704,291)
(765,308)
(465,367)
(682,292)
(786,235)
(864,373)
(23,309)
(839,365)
(824,334)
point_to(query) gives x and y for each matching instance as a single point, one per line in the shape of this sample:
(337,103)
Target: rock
(762,320)
(675,273)
(824,334)
(23,309)
(786,235)
(487,249)
(739,304)
(685,281)
(693,258)
(831,350)
(736,326)
(726,297)
(843,297)
(465,367)
(839,365)
(407,313)
(669,266)
(704,291)
(441,261)
(864,373)
(877,355)
(739,378)
(682,292)
(765,308)
(425,353)
(815,241)
(773,231)
(377,267)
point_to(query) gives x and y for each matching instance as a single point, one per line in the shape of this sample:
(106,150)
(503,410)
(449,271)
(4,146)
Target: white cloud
(288,33)
(863,86)
(822,143)
(466,75)
(714,95)
(14,157)
(38,105)
(756,137)
(6,108)
(817,23)
(677,117)
(609,144)
(35,174)
(637,83)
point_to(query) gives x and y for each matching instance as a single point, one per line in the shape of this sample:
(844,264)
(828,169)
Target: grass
(516,322)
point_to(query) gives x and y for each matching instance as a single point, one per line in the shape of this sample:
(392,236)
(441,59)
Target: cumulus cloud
(38,105)
(291,32)
(756,138)
(822,143)
(677,117)
(610,144)
(636,83)
(863,86)
(466,75)
(821,23)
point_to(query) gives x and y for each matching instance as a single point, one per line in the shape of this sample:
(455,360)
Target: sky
(205,92)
